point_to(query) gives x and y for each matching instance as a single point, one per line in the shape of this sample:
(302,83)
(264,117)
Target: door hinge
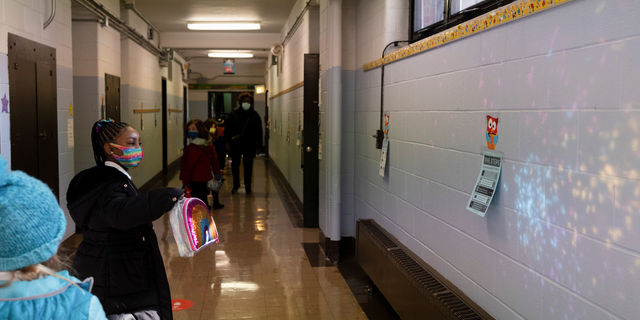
(51,73)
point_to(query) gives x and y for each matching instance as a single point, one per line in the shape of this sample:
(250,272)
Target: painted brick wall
(561,237)
(285,110)
(198,101)
(141,84)
(26,19)
(96,52)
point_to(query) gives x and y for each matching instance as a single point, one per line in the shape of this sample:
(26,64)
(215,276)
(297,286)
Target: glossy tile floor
(259,270)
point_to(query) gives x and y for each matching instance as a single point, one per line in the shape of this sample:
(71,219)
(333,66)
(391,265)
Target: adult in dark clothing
(245,123)
(119,248)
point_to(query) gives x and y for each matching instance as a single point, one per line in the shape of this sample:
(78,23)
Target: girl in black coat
(119,248)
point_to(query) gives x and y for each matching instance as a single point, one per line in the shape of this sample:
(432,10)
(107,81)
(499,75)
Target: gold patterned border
(500,16)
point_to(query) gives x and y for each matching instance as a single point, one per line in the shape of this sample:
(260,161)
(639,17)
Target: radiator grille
(444,300)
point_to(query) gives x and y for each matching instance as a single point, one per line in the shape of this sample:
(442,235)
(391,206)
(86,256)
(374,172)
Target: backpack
(193,226)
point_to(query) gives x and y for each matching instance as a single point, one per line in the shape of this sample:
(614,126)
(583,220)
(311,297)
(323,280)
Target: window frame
(450,20)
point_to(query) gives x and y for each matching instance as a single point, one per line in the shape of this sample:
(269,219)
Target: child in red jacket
(199,163)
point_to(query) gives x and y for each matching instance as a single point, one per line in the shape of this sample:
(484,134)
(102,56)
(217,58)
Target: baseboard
(337,251)
(290,199)
(160,178)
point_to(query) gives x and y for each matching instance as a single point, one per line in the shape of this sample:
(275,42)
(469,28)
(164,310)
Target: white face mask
(246,106)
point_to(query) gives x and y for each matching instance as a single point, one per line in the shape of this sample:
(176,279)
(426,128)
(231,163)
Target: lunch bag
(193,226)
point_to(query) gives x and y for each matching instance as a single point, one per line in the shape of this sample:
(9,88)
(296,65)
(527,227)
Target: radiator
(413,289)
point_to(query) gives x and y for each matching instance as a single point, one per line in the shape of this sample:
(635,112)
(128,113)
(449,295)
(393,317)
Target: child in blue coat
(32,226)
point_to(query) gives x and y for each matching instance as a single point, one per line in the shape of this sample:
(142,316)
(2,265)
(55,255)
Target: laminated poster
(70,139)
(486,184)
(383,156)
(320,146)
(299,129)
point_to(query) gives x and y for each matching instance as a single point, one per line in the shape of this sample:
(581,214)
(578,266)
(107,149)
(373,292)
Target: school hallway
(260,269)
(439,159)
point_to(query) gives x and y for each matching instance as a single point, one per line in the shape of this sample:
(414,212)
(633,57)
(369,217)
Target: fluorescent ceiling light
(230,55)
(223,26)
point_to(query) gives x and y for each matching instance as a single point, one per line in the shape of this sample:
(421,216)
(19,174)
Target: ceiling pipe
(113,21)
(52,16)
(131,5)
(298,21)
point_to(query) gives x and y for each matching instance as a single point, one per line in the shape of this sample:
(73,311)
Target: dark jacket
(251,139)
(119,248)
(197,163)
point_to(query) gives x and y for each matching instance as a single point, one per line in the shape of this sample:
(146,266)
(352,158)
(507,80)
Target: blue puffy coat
(50,298)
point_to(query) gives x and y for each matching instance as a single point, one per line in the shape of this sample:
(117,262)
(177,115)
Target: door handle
(43,134)
(309,149)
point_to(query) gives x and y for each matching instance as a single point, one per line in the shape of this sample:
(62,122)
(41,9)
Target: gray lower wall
(284,111)
(132,97)
(198,110)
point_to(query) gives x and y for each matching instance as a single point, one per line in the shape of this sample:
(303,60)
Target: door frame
(185,111)
(107,77)
(164,127)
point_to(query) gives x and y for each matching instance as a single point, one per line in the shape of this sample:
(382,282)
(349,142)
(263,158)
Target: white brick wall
(561,237)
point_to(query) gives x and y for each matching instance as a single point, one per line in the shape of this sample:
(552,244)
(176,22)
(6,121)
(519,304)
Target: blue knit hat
(31,221)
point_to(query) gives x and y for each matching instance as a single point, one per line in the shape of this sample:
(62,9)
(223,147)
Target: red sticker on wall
(181,304)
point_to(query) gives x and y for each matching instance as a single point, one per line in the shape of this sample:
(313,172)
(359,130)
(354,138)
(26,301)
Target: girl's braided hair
(102,132)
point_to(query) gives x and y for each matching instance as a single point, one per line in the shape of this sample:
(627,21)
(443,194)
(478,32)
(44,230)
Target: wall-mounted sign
(386,124)
(383,156)
(492,132)
(299,129)
(229,66)
(486,184)
(70,138)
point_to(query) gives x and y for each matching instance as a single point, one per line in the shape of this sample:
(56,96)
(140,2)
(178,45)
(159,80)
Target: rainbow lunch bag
(193,226)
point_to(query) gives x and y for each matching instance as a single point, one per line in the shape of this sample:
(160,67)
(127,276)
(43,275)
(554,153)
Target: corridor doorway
(34,115)
(112,97)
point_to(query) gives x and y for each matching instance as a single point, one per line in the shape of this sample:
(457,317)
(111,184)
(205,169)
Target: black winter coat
(119,248)
(251,139)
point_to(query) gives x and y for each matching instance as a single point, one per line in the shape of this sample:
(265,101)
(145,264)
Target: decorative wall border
(500,16)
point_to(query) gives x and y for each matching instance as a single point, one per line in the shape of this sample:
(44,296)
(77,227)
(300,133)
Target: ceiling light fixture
(230,55)
(223,26)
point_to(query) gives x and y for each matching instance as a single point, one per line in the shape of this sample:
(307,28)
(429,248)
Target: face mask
(246,106)
(131,157)
(212,130)
(192,134)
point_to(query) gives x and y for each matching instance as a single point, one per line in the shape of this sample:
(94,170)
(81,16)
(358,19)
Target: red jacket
(198,162)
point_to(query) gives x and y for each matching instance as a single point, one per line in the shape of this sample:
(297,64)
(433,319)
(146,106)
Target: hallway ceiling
(173,15)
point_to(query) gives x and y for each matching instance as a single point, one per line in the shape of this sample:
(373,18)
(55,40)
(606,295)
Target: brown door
(112,97)
(33,111)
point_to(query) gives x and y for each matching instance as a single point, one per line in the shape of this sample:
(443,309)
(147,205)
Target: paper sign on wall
(288,127)
(383,156)
(299,129)
(320,146)
(486,184)
(229,66)
(70,139)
